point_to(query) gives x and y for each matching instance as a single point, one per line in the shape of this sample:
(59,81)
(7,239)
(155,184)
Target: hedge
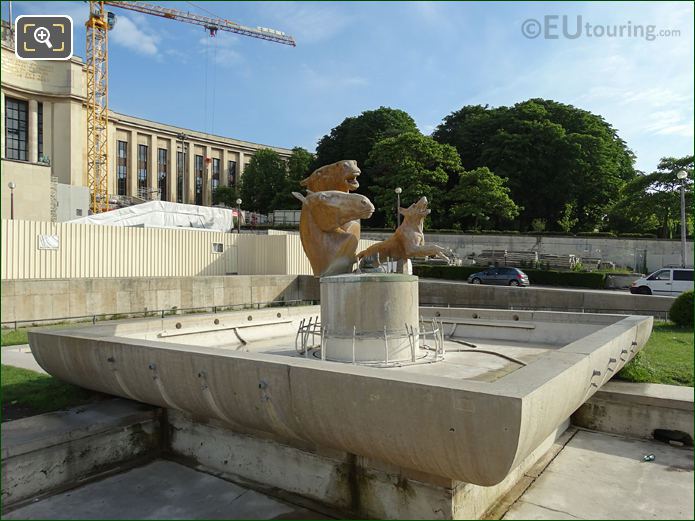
(681,311)
(545,277)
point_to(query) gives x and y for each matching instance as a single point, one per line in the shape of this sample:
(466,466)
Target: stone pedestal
(370,317)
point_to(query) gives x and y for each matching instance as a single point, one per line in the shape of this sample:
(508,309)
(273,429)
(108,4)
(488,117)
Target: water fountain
(368,403)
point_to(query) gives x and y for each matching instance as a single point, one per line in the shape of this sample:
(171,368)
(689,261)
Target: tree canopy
(268,180)
(551,154)
(480,198)
(417,164)
(650,203)
(355,137)
(264,178)
(226,195)
(297,168)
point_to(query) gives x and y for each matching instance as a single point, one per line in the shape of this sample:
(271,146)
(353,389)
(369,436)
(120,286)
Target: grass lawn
(26,393)
(12,337)
(666,359)
(19,336)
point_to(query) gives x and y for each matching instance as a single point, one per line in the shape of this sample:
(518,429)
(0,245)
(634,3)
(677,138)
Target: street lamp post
(238,215)
(682,176)
(11,185)
(398,191)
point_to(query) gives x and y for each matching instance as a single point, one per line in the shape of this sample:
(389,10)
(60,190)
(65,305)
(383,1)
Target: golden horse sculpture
(408,240)
(329,225)
(326,227)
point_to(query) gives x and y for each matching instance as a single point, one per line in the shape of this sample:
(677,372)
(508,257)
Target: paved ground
(534,286)
(20,356)
(161,490)
(595,476)
(601,476)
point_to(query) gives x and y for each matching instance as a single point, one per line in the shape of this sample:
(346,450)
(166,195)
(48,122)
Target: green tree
(567,221)
(264,178)
(417,164)
(298,167)
(552,155)
(651,202)
(355,137)
(226,195)
(479,198)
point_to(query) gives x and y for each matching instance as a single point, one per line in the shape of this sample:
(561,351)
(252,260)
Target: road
(551,288)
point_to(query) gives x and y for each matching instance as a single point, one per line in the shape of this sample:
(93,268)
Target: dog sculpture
(329,229)
(408,240)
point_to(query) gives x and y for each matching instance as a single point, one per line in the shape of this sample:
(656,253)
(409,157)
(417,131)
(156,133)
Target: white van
(670,282)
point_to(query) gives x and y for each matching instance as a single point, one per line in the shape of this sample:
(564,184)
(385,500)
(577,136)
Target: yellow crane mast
(97,50)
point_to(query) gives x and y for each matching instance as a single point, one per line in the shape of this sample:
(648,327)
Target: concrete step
(53,451)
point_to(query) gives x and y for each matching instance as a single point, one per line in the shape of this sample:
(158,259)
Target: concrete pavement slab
(20,356)
(602,476)
(161,490)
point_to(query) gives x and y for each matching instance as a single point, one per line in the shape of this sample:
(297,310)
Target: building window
(231,172)
(39,130)
(16,129)
(122,168)
(180,162)
(217,247)
(198,180)
(142,171)
(215,174)
(162,161)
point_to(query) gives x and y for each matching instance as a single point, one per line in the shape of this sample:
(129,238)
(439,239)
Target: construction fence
(47,250)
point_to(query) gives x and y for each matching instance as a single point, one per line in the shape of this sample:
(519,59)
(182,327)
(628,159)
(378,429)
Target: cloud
(669,122)
(428,128)
(134,33)
(329,79)
(221,49)
(309,23)
(79,12)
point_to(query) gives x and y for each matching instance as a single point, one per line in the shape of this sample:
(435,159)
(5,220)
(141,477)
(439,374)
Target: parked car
(666,281)
(500,277)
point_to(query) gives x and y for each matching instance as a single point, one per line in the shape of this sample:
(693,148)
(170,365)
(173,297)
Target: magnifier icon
(42,35)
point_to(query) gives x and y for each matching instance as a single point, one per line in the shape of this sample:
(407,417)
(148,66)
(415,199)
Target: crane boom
(98,25)
(211,24)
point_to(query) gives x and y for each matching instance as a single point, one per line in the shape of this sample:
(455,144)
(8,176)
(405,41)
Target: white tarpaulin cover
(163,214)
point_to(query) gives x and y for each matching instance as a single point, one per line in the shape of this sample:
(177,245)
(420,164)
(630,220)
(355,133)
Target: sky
(427,58)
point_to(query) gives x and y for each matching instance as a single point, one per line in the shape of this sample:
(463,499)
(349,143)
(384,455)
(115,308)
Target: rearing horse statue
(329,225)
(327,229)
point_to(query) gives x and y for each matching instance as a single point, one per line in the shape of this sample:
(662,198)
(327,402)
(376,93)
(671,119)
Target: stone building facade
(44,147)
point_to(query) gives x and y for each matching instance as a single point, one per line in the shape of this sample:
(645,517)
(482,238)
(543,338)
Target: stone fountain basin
(472,417)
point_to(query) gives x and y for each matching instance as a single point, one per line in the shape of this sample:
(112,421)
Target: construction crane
(98,25)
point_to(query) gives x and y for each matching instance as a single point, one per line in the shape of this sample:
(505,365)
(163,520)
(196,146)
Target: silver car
(500,277)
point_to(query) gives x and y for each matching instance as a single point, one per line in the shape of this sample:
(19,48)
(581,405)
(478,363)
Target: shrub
(595,234)
(547,278)
(681,311)
(638,235)
(446,272)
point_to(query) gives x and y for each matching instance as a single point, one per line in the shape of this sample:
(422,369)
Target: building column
(113,159)
(171,171)
(224,175)
(207,176)
(33,151)
(152,170)
(2,119)
(189,177)
(132,172)
(48,131)
(240,168)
